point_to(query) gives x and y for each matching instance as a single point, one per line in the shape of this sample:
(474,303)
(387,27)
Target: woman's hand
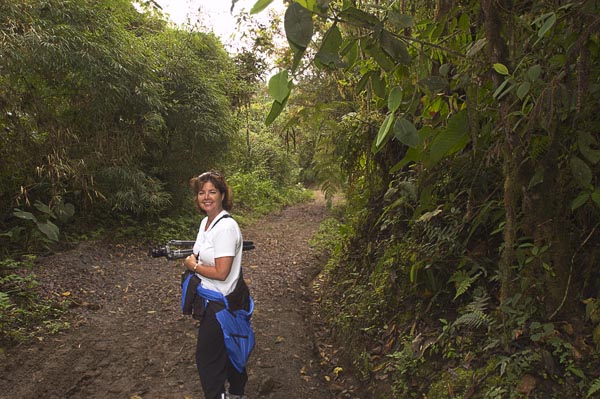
(190,262)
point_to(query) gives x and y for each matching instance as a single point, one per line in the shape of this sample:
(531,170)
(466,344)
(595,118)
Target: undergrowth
(408,321)
(25,314)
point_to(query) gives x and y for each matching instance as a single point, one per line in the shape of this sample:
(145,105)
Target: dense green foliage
(100,105)
(106,112)
(465,137)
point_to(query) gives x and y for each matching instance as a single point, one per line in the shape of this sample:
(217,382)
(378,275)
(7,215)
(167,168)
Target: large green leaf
(379,86)
(435,84)
(581,199)
(523,89)
(464,22)
(406,132)
(275,111)
(360,86)
(354,16)
(279,86)
(395,98)
(581,172)
(501,69)
(40,206)
(585,141)
(49,229)
(503,90)
(384,132)
(328,53)
(415,154)
(549,22)
(332,40)
(259,6)
(412,155)
(350,52)
(394,48)
(298,25)
(373,49)
(534,72)
(451,139)
(330,60)
(24,215)
(298,54)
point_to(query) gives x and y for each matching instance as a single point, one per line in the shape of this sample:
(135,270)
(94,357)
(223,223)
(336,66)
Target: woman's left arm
(219,272)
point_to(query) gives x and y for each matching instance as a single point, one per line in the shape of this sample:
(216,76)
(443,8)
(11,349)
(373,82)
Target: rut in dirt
(129,339)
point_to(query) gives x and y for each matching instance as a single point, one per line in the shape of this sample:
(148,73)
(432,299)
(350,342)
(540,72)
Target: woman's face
(210,199)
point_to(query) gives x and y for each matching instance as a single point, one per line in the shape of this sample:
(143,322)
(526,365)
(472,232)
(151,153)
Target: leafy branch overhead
(351,32)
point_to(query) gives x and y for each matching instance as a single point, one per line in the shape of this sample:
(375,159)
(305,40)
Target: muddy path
(128,338)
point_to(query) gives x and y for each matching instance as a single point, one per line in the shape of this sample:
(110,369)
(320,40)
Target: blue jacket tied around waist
(234,320)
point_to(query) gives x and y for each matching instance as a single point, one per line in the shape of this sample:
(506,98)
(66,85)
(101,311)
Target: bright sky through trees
(214,15)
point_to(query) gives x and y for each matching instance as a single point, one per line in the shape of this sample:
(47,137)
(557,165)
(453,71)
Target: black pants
(212,361)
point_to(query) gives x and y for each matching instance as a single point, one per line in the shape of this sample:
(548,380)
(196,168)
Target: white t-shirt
(222,239)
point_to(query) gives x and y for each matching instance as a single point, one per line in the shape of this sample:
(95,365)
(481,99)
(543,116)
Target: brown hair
(217,179)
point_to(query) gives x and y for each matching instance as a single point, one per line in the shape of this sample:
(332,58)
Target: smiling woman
(215,272)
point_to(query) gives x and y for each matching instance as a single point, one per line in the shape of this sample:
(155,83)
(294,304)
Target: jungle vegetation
(106,112)
(463,136)
(466,143)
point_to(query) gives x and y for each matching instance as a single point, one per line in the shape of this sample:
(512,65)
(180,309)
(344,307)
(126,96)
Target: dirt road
(129,340)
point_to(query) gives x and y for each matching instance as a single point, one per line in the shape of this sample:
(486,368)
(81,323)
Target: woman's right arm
(220,271)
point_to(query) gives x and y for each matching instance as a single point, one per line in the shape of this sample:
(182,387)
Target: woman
(217,260)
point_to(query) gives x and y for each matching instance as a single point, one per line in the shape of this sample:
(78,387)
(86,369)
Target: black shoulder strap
(219,219)
(246,245)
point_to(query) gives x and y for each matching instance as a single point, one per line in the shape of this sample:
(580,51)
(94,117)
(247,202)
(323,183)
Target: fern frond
(475,315)
(539,146)
(595,387)
(473,320)
(5,302)
(463,281)
(480,301)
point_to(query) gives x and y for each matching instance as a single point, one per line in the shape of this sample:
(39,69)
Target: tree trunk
(248,144)
(498,53)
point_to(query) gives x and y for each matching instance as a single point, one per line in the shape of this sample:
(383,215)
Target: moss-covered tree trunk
(498,53)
